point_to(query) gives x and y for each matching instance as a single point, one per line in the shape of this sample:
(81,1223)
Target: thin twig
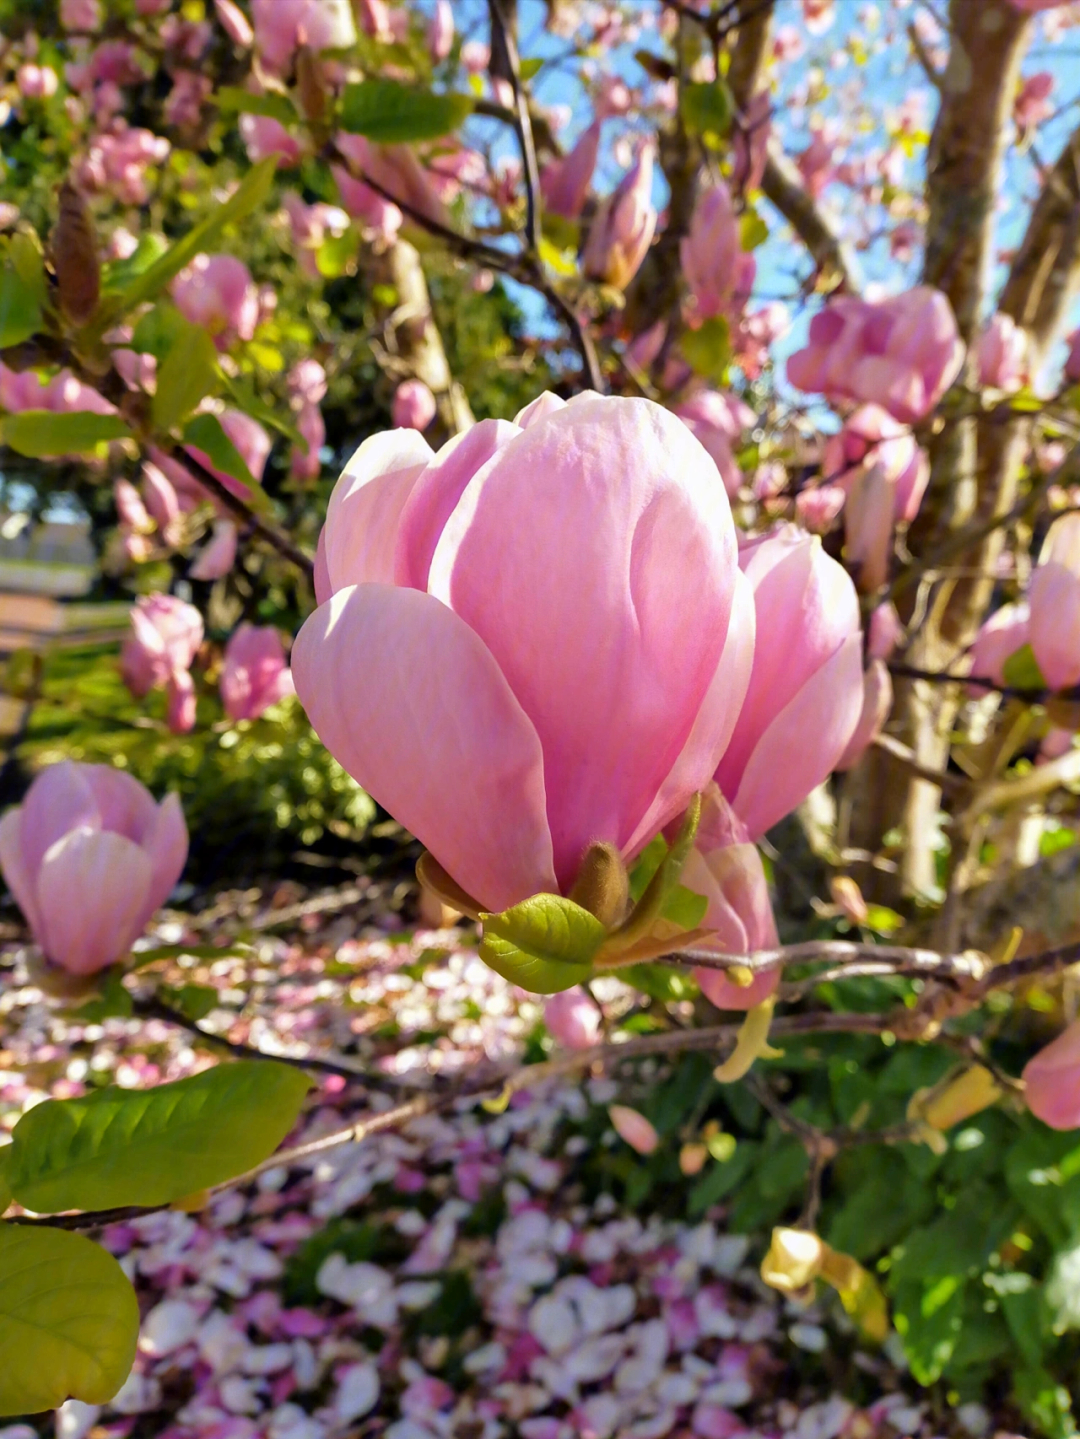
(273,536)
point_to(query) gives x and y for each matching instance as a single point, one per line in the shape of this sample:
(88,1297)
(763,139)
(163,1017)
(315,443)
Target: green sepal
(546,943)
(650,907)
(1021,671)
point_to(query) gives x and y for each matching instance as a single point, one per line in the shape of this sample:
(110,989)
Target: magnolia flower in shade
(414,406)
(572,1018)
(396,170)
(1054,596)
(89,857)
(282,26)
(255,674)
(1052,1080)
(263,135)
(718,271)
(750,144)
(718,420)
(216,292)
(1002,354)
(543,665)
(633,1128)
(218,555)
(158,654)
(1006,631)
(564,183)
(877,702)
(806,689)
(902,353)
(871,437)
(725,867)
(623,227)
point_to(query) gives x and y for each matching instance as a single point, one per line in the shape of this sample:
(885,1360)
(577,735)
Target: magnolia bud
(310,88)
(634,1128)
(602,885)
(848,897)
(74,257)
(956,1098)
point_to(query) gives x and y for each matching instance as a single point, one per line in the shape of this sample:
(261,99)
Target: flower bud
(572,1019)
(441,31)
(634,1128)
(623,227)
(75,258)
(564,183)
(1055,604)
(1002,354)
(877,702)
(219,555)
(255,673)
(414,406)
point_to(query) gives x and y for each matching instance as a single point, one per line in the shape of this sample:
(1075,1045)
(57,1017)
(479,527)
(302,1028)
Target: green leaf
(153,1146)
(753,230)
(1045,1402)
(5,1187)
(185,376)
(141,957)
(248,196)
(40,434)
(272,104)
(530,66)
(660,888)
(69,1321)
(1021,671)
(707,108)
(546,943)
(685,908)
(150,248)
(390,113)
(337,254)
(112,1000)
(193,1001)
(708,349)
(20,305)
(660,981)
(929,1320)
(205,433)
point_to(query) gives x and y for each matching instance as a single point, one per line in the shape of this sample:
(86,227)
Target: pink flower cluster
(165,636)
(117,161)
(217,292)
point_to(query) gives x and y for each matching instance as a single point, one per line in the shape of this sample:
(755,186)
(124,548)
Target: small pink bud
(565,183)
(255,674)
(217,292)
(886,632)
(623,227)
(1054,596)
(414,406)
(1032,104)
(572,1018)
(718,271)
(36,82)
(1002,354)
(1006,631)
(235,23)
(634,1128)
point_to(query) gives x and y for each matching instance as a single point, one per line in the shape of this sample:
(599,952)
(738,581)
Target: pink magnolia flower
(307,383)
(806,691)
(726,868)
(89,857)
(623,227)
(1054,596)
(263,135)
(256,674)
(1032,104)
(234,22)
(572,1018)
(218,555)
(82,16)
(375,19)
(190,92)
(395,169)
(217,292)
(36,82)
(877,702)
(718,420)
(547,665)
(902,353)
(885,632)
(1052,1080)
(817,164)
(414,406)
(1006,631)
(1002,354)
(129,506)
(818,506)
(633,1128)
(441,31)
(165,635)
(818,15)
(871,437)
(118,161)
(282,26)
(719,272)
(565,182)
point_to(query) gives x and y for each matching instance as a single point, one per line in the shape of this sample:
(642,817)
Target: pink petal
(544,405)
(364,510)
(123,804)
(1054,631)
(435,494)
(611,634)
(92,889)
(408,700)
(59,799)
(18,877)
(166,846)
(1052,1081)
(803,744)
(634,1128)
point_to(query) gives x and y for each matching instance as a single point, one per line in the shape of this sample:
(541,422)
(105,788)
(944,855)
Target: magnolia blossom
(902,353)
(1032,104)
(441,31)
(719,272)
(1002,354)
(623,227)
(868,527)
(255,674)
(877,702)
(1052,1081)
(806,690)
(544,665)
(414,406)
(263,135)
(89,857)
(36,82)
(572,1018)
(217,292)
(282,26)
(1055,604)
(725,867)
(158,654)
(396,170)
(565,183)
(117,161)
(633,1128)
(884,633)
(718,420)
(1006,631)
(219,554)
(872,438)
(81,15)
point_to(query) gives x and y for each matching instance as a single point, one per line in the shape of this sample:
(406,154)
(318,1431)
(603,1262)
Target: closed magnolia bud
(868,528)
(602,885)
(75,258)
(634,1128)
(623,227)
(848,897)
(1055,604)
(414,406)
(877,702)
(564,183)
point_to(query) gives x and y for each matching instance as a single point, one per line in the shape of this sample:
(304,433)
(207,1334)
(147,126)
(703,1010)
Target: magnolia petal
(18,877)
(440,741)
(365,507)
(59,799)
(166,846)
(92,889)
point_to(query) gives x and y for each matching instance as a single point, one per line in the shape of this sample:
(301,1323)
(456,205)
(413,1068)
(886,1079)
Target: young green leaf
(390,113)
(244,102)
(1021,671)
(707,108)
(39,434)
(546,943)
(153,1146)
(5,1187)
(187,374)
(69,1321)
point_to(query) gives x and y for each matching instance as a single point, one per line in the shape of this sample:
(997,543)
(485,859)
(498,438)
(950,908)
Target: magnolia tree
(739,534)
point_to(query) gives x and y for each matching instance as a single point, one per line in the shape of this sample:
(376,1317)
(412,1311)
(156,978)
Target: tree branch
(833,257)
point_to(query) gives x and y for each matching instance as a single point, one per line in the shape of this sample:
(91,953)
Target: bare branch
(833,257)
